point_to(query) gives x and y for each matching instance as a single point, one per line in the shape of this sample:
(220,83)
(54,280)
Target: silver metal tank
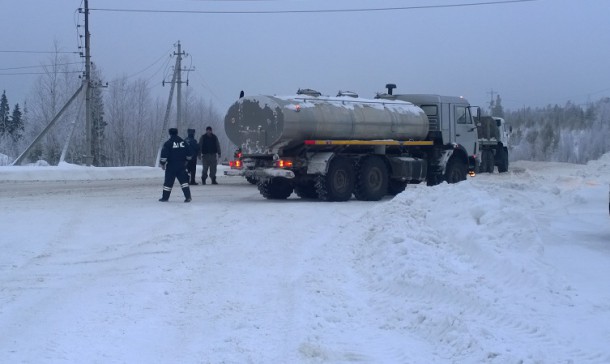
(263,124)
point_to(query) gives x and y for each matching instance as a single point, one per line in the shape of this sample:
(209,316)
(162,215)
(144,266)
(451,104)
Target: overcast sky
(532,53)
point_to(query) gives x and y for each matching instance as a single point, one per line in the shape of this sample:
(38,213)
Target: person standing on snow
(193,148)
(174,158)
(210,152)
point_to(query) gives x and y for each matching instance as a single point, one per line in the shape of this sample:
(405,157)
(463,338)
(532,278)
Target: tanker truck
(331,148)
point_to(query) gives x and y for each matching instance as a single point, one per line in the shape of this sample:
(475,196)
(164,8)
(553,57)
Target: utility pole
(84,87)
(178,71)
(166,119)
(87,81)
(176,80)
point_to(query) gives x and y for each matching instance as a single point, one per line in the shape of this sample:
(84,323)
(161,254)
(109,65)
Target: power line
(311,11)
(37,52)
(41,66)
(36,73)
(148,67)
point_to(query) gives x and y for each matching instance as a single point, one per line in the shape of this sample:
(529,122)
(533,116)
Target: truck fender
(458,151)
(319,162)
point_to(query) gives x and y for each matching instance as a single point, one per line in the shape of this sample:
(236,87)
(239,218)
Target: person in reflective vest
(174,158)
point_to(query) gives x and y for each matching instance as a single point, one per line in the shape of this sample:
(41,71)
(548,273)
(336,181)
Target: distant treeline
(568,133)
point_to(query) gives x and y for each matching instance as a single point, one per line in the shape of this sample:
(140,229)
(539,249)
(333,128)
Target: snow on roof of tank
(349,102)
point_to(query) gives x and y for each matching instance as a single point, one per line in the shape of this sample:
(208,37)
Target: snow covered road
(498,269)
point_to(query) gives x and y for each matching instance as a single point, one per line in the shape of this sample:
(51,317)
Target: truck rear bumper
(261,173)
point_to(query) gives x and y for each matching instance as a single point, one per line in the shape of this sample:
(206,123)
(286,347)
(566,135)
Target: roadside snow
(509,268)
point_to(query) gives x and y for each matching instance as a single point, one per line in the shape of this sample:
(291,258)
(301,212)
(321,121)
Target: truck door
(465,130)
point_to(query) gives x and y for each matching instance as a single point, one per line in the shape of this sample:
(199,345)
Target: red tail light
(284,163)
(235,164)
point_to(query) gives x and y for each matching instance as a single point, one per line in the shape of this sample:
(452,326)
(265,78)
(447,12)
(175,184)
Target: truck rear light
(235,164)
(284,163)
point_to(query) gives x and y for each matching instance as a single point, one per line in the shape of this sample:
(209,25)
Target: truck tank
(263,124)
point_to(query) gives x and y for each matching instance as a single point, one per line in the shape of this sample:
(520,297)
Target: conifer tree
(497,109)
(16,126)
(4,114)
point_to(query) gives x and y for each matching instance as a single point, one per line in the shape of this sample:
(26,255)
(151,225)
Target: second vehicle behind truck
(493,134)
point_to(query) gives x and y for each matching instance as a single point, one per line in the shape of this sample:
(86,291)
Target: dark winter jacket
(192,146)
(209,144)
(175,153)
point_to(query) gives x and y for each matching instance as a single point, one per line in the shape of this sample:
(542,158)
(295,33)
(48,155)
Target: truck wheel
(306,190)
(490,161)
(487,161)
(483,165)
(503,160)
(395,186)
(456,170)
(338,183)
(372,180)
(277,188)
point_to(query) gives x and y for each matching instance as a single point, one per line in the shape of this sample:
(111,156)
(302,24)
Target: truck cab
(451,121)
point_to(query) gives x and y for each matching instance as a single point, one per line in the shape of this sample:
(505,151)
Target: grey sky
(532,53)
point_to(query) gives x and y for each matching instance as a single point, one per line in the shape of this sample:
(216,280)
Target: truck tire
(338,183)
(487,161)
(372,179)
(490,163)
(502,159)
(306,190)
(483,165)
(456,170)
(277,188)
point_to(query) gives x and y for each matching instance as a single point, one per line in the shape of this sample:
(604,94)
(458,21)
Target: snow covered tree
(15,126)
(496,108)
(51,92)
(4,114)
(569,133)
(98,124)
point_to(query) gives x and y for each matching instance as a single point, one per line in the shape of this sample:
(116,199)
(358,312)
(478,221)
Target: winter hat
(173,131)
(191,131)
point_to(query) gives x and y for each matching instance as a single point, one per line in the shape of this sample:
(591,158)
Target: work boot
(214,181)
(187,193)
(202,181)
(193,183)
(165,196)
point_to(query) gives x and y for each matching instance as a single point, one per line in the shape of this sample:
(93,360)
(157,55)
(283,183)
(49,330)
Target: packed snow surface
(501,268)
